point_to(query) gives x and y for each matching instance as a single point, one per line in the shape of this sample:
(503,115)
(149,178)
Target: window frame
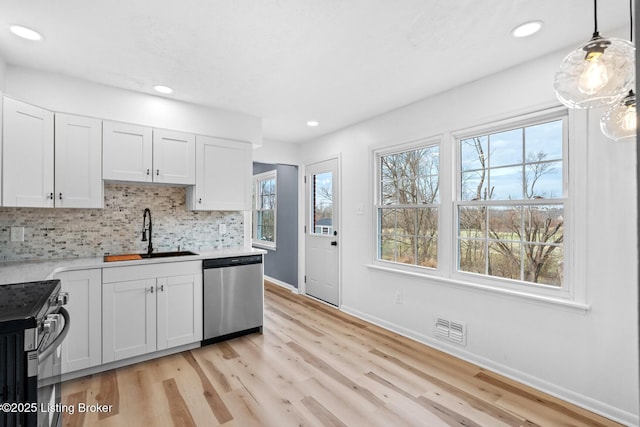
(257,178)
(522,121)
(577,131)
(397,149)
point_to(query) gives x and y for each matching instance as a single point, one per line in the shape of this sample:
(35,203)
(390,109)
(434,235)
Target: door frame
(304,215)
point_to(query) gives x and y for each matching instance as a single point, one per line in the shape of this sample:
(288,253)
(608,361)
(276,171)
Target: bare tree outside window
(323,203)
(511,214)
(264,209)
(408,210)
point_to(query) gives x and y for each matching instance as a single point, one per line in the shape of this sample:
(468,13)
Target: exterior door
(322,259)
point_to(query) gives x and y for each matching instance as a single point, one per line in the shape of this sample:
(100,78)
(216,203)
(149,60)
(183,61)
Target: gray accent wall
(282,263)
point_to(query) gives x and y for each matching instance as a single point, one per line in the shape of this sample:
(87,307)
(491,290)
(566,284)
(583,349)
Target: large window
(407,206)
(264,209)
(488,207)
(510,205)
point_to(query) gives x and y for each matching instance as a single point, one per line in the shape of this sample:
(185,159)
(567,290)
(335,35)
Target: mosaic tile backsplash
(116,229)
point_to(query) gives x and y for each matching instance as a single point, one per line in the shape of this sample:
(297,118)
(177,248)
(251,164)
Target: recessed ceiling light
(162,89)
(312,123)
(25,33)
(526,29)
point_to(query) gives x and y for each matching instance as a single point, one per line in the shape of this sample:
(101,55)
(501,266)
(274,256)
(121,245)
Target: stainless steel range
(33,323)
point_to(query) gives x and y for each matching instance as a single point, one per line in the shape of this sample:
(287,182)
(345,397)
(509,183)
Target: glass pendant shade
(598,73)
(619,121)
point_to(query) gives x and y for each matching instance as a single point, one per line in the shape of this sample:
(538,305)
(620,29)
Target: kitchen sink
(133,257)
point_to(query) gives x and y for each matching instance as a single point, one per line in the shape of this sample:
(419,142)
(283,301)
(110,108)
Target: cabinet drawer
(150,271)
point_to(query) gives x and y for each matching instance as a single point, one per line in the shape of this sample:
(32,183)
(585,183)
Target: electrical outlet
(222,229)
(17,234)
(398,297)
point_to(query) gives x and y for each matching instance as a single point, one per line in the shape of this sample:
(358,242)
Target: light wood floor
(314,366)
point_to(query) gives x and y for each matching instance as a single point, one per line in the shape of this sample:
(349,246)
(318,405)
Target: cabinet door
(174,157)
(128,319)
(223,175)
(27,155)
(126,152)
(82,347)
(179,310)
(78,162)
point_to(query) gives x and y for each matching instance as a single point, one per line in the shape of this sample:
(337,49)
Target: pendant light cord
(631,21)
(595,19)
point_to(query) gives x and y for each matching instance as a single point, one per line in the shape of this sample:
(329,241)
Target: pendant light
(619,121)
(598,73)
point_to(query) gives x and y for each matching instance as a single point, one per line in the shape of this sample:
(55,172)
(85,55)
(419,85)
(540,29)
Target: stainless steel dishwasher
(233,297)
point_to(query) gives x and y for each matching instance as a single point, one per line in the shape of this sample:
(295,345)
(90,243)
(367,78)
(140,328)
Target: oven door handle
(42,355)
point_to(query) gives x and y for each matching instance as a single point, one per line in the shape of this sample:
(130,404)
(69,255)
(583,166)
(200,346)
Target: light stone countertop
(29,271)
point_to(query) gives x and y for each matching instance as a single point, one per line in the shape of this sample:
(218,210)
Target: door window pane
(323,203)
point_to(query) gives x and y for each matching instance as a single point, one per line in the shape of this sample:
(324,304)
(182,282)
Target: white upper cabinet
(31,156)
(126,152)
(78,162)
(141,154)
(174,157)
(223,175)
(27,155)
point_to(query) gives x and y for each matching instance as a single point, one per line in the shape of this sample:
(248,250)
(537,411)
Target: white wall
(590,358)
(277,152)
(64,94)
(3,72)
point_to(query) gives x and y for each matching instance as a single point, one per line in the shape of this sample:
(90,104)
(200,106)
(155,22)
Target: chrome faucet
(145,228)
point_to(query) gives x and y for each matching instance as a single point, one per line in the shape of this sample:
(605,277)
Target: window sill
(582,307)
(263,246)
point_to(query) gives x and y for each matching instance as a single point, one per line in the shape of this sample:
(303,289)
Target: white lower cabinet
(149,308)
(81,348)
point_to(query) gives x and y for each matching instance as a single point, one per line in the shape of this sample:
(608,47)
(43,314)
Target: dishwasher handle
(231,261)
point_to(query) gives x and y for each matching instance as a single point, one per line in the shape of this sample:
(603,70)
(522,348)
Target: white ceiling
(290,61)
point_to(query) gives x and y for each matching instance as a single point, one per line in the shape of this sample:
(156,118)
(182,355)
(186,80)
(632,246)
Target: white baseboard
(282,284)
(130,361)
(601,408)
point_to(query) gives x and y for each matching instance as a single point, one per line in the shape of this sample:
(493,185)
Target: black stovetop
(23,304)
